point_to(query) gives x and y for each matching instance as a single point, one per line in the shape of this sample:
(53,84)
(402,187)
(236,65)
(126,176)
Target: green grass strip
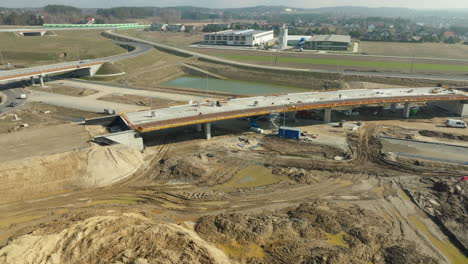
(369,64)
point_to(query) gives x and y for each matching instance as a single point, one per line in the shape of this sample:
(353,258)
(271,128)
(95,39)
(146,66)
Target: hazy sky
(422,4)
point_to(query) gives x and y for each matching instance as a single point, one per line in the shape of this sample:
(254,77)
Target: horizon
(429,5)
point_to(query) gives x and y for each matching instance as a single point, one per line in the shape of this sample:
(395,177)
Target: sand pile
(130,238)
(43,175)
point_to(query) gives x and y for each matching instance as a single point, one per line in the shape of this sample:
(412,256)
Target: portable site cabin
(290,133)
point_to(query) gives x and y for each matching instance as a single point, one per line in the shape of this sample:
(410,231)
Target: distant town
(366,24)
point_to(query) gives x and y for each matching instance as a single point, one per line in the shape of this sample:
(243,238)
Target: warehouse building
(249,37)
(295,40)
(328,42)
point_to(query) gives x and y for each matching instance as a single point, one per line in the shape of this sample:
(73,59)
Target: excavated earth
(247,198)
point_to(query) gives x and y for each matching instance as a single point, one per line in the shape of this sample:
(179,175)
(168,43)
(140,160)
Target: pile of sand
(91,167)
(130,238)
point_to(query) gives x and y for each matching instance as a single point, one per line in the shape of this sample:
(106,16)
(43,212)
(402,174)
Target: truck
(455,123)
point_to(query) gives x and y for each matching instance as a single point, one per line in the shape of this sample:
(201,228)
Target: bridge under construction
(212,111)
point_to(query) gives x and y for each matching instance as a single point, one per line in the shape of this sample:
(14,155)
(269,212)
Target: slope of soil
(109,68)
(129,238)
(318,232)
(63,172)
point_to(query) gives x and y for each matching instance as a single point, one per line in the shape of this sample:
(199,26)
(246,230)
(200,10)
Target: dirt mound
(90,167)
(199,167)
(437,134)
(447,202)
(130,238)
(304,176)
(109,68)
(317,232)
(301,149)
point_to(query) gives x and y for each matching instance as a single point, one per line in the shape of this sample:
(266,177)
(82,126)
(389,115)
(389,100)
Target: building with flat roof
(328,42)
(294,40)
(248,37)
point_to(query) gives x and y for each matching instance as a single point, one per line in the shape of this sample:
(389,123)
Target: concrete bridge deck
(198,113)
(92,64)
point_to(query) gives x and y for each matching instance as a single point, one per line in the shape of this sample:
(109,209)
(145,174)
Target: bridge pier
(199,128)
(393,107)
(406,110)
(208,131)
(294,113)
(41,78)
(32,81)
(327,115)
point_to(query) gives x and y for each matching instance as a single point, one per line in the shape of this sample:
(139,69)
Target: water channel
(231,86)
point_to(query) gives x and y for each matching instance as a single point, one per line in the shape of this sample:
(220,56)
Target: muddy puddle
(454,255)
(251,177)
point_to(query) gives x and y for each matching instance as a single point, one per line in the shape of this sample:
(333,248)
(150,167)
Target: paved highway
(284,69)
(36,29)
(5,76)
(11,93)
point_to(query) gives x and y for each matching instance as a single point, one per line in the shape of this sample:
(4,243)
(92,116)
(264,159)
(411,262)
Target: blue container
(289,133)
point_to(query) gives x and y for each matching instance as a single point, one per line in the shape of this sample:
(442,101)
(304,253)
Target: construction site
(159,154)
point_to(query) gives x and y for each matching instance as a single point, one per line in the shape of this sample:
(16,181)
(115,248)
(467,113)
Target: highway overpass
(207,112)
(88,67)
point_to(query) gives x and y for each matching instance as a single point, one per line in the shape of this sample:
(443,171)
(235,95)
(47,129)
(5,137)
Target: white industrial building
(249,37)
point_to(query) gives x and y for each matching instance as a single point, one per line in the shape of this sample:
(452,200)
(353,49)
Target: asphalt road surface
(255,66)
(140,49)
(13,89)
(12,92)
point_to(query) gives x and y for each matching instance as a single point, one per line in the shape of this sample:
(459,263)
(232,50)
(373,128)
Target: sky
(420,4)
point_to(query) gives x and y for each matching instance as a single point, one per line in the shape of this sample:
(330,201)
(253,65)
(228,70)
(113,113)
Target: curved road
(10,75)
(209,58)
(11,91)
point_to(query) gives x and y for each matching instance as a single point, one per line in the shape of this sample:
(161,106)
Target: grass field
(430,50)
(31,51)
(175,39)
(350,63)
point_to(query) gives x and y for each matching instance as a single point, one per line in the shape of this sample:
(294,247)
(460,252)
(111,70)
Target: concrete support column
(41,78)
(406,110)
(32,81)
(208,131)
(199,128)
(393,107)
(327,115)
(294,116)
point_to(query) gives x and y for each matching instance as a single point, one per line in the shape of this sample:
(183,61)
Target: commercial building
(328,42)
(249,37)
(294,40)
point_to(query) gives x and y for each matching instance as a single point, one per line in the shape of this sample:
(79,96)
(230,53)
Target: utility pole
(276,58)
(412,64)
